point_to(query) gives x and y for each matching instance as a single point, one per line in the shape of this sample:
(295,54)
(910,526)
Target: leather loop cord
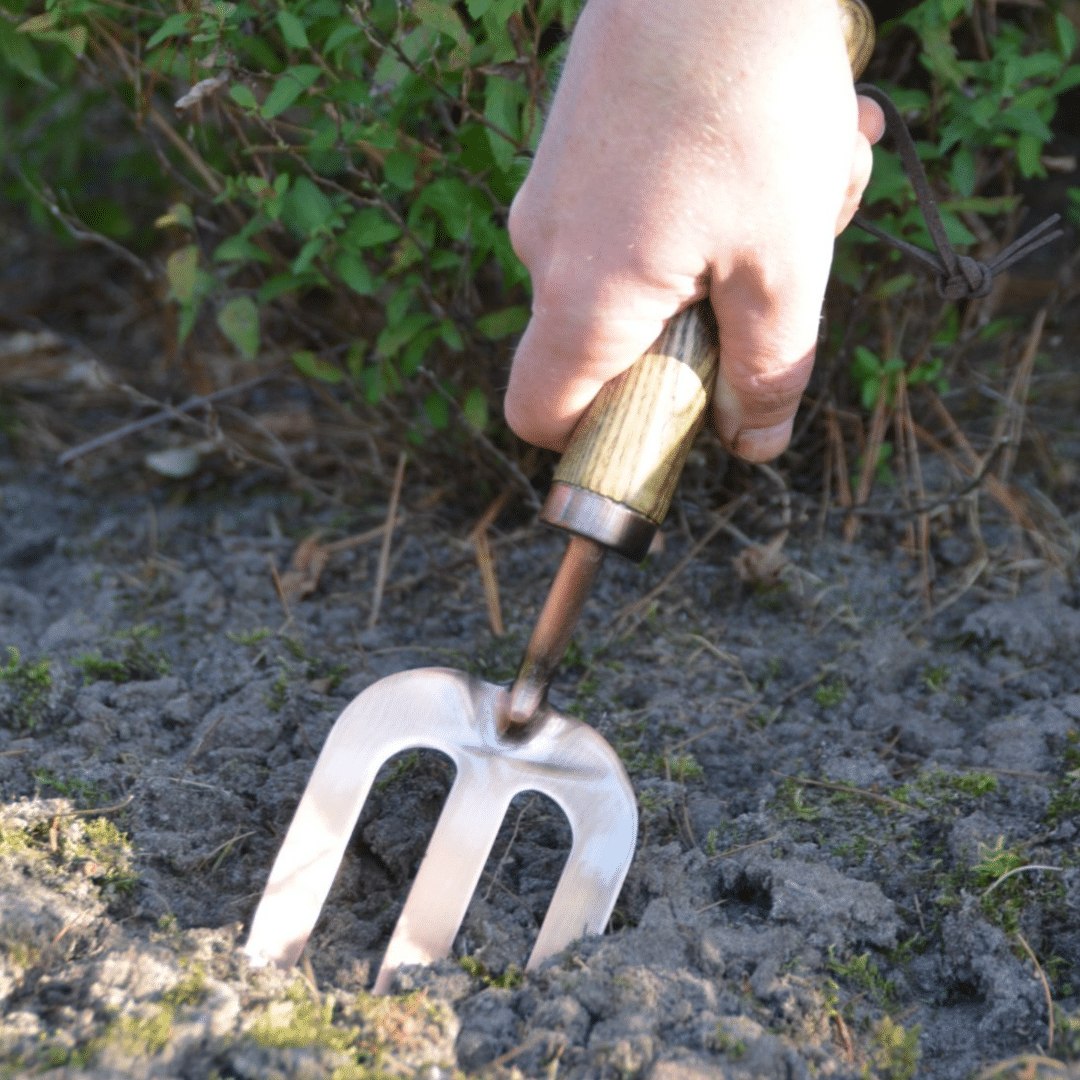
(958,277)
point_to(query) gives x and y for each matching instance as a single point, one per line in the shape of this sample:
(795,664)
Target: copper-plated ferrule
(596,517)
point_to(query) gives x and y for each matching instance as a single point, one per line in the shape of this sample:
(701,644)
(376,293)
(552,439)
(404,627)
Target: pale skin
(693,148)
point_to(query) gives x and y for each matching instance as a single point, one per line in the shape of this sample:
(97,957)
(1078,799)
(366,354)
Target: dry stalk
(388,535)
(869,464)
(1046,990)
(839,458)
(630,615)
(486,562)
(1010,426)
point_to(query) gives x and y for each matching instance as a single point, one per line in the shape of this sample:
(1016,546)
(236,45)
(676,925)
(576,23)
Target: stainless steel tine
(418,708)
(448,874)
(448,711)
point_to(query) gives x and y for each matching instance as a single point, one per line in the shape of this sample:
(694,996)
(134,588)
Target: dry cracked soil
(858,843)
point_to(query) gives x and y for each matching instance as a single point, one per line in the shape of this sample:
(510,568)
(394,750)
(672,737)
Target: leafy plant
(359,155)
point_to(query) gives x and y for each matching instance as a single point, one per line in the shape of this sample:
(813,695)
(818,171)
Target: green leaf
(306,209)
(441,17)
(963,171)
(983,204)
(177,214)
(400,169)
(239,249)
(1066,34)
(503,99)
(37,23)
(951,8)
(73,38)
(399,334)
(243,96)
(340,35)
(17,51)
(955,229)
(461,207)
(894,285)
(239,322)
(367,228)
(280,284)
(451,336)
(500,324)
(476,408)
(438,412)
(1029,156)
(314,367)
(289,86)
(173,25)
(180,268)
(354,272)
(1027,122)
(477,7)
(292,30)
(311,250)
(416,350)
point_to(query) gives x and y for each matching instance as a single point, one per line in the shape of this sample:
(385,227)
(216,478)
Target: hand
(693,148)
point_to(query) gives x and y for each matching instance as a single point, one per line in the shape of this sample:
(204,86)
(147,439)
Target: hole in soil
(964,992)
(746,897)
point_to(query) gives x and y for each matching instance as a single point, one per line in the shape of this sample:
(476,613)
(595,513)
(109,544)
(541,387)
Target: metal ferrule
(596,517)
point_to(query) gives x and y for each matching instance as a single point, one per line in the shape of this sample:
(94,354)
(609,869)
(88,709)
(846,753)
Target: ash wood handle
(632,442)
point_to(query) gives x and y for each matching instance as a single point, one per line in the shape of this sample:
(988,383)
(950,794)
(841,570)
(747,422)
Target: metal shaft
(553,631)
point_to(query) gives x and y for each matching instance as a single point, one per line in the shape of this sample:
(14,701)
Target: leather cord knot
(958,277)
(974,280)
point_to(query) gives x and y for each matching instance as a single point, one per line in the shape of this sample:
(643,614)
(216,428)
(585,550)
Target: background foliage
(336,176)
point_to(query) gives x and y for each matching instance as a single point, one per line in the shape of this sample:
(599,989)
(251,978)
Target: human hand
(692,149)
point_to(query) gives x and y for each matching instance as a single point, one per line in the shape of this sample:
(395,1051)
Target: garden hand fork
(612,490)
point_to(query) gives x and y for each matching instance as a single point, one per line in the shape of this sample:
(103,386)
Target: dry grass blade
(346,543)
(485,560)
(1028,1067)
(388,535)
(630,615)
(306,567)
(869,464)
(1046,989)
(873,796)
(1010,426)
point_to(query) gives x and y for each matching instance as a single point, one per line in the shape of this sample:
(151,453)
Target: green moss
(85,792)
(137,662)
(829,694)
(107,854)
(510,979)
(896,1051)
(302,1020)
(249,637)
(30,684)
(864,973)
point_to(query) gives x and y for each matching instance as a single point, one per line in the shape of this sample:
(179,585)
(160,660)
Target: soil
(831,786)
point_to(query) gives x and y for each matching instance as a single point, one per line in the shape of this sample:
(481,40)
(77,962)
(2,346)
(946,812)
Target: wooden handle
(632,442)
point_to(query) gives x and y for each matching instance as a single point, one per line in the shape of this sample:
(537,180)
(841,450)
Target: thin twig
(509,845)
(745,847)
(97,809)
(510,466)
(168,413)
(384,553)
(1020,870)
(1046,991)
(873,796)
(78,230)
(634,611)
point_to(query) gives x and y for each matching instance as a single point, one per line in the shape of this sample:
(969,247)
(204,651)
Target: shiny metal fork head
(449,711)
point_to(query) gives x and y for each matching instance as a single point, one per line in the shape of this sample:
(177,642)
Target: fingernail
(764,444)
